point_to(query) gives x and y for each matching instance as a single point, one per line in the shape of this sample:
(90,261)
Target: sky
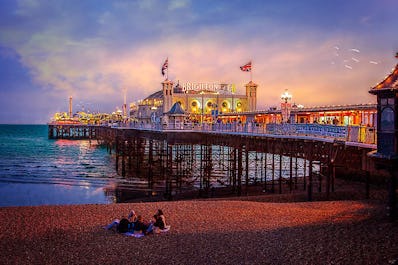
(324,52)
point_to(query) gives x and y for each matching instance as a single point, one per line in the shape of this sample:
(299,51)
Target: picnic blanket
(138,235)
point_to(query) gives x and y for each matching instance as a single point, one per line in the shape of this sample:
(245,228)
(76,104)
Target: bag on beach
(123,226)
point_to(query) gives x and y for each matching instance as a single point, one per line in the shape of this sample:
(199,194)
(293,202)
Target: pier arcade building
(208,103)
(201,102)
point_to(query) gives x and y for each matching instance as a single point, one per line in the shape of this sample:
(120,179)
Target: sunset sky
(324,52)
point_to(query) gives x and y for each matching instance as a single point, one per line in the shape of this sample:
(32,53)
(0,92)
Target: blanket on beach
(138,235)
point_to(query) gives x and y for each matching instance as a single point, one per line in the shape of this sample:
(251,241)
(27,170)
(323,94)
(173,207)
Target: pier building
(202,102)
(341,115)
(211,103)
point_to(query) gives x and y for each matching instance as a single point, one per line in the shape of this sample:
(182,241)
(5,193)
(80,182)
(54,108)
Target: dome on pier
(156,95)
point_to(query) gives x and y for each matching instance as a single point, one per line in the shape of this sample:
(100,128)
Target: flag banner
(247,67)
(396,55)
(165,66)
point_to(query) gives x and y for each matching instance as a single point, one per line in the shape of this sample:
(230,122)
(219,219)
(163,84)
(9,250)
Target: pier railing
(352,133)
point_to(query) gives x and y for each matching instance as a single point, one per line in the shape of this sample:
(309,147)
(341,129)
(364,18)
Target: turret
(251,93)
(167,95)
(70,107)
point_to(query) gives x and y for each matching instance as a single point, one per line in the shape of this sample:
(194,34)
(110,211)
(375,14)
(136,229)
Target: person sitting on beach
(141,227)
(160,222)
(123,225)
(132,217)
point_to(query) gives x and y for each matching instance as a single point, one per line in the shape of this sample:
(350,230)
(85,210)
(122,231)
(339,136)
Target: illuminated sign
(222,88)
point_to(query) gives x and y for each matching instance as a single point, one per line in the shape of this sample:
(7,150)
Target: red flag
(165,66)
(396,55)
(247,67)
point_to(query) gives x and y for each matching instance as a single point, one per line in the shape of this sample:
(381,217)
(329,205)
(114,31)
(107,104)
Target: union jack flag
(247,67)
(165,66)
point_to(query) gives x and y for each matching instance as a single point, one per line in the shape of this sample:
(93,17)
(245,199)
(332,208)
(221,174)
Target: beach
(232,231)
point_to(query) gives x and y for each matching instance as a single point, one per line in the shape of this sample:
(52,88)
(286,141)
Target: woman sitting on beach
(160,222)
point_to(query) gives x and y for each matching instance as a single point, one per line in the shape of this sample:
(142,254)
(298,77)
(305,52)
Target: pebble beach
(203,232)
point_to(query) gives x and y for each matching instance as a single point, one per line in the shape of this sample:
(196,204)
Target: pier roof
(390,81)
(176,110)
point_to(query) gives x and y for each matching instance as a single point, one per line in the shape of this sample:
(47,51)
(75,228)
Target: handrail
(351,133)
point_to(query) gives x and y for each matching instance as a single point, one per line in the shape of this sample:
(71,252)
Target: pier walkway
(352,135)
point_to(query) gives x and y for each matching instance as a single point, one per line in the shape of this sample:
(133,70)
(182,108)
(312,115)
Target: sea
(35,170)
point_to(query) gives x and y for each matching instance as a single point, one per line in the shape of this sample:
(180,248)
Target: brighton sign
(222,88)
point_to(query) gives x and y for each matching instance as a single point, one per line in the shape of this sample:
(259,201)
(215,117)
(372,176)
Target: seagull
(355,60)
(347,66)
(373,62)
(355,50)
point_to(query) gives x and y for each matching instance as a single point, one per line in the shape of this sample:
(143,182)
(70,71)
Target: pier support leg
(295,173)
(305,174)
(328,173)
(265,171)
(123,160)
(333,177)
(367,184)
(273,174)
(247,171)
(280,174)
(117,163)
(150,165)
(392,195)
(321,172)
(291,173)
(310,182)
(240,170)
(234,153)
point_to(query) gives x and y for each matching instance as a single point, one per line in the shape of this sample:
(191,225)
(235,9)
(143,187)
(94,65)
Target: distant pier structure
(71,131)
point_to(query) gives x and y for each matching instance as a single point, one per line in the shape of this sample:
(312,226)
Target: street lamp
(286,106)
(201,116)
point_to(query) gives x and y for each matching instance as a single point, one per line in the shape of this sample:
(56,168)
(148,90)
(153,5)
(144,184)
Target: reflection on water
(35,170)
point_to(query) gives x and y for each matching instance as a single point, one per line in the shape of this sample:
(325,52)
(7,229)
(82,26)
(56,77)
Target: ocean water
(35,170)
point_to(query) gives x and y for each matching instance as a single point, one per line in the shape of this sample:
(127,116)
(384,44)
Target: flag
(396,55)
(165,66)
(247,67)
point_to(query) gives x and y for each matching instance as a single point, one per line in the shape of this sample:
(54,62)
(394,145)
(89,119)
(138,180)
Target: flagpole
(251,71)
(167,70)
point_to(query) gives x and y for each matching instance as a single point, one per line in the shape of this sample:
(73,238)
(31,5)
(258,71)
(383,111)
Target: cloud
(93,49)
(88,68)
(177,4)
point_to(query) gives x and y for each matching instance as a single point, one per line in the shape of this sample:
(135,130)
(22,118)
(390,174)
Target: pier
(177,141)
(70,131)
(208,161)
